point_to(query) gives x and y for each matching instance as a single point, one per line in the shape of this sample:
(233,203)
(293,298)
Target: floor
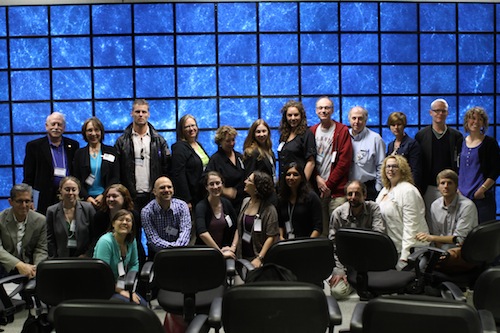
(346,307)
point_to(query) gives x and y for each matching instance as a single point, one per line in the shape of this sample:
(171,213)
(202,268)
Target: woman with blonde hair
(401,206)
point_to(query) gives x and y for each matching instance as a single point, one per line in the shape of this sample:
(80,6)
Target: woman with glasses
(479,164)
(96,165)
(401,206)
(258,220)
(404,145)
(69,221)
(215,217)
(189,160)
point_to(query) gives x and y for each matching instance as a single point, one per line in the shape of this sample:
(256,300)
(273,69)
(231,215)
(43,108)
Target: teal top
(95,169)
(108,250)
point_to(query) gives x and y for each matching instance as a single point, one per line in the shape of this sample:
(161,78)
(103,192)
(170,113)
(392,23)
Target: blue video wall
(231,63)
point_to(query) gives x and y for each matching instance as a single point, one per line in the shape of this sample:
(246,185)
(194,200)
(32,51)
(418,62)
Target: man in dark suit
(23,234)
(48,160)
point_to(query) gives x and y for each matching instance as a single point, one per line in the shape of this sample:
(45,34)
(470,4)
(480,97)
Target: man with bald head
(48,160)
(166,220)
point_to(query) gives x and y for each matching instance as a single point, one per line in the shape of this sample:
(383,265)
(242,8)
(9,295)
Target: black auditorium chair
(59,280)
(480,248)
(370,258)
(269,307)
(417,314)
(9,305)
(310,259)
(96,316)
(487,293)
(188,279)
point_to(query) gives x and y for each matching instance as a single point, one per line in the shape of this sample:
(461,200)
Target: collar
(360,136)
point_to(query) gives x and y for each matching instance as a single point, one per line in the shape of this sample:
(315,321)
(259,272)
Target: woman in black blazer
(96,165)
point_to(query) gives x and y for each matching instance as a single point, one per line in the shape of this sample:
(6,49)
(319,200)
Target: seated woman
(117,197)
(401,206)
(299,207)
(257,221)
(69,222)
(215,217)
(118,248)
(96,166)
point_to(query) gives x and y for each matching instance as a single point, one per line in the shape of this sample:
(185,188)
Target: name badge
(172,231)
(257,225)
(334,156)
(90,180)
(121,268)
(72,226)
(288,227)
(120,283)
(229,221)
(59,172)
(71,243)
(108,157)
(247,237)
(139,162)
(319,158)
(291,236)
(280,146)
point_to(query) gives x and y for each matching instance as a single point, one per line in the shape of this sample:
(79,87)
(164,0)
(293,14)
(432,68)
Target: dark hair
(182,123)
(20,188)
(285,128)
(264,185)
(128,204)
(303,189)
(212,173)
(97,123)
(123,212)
(360,183)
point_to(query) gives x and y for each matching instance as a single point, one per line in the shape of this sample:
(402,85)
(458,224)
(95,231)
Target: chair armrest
(18,278)
(487,321)
(230,267)
(243,266)
(198,325)
(215,314)
(356,325)
(147,271)
(449,290)
(334,311)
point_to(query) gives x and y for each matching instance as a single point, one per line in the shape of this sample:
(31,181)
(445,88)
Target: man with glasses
(143,155)
(23,234)
(441,147)
(333,159)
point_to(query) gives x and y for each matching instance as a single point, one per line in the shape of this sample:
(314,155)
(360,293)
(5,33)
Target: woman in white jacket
(401,206)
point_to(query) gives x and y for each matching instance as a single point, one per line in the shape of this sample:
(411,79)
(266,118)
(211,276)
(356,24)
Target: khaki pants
(328,205)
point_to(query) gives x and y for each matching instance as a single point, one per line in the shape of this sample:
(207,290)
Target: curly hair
(222,132)
(285,128)
(480,112)
(303,189)
(128,204)
(251,143)
(264,185)
(123,212)
(404,169)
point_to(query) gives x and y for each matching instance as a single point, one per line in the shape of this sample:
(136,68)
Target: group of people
(96,201)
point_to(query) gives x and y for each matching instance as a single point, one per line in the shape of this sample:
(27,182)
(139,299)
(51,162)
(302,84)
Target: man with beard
(48,160)
(166,220)
(355,213)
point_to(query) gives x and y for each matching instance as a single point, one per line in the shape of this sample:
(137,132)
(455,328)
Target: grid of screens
(231,63)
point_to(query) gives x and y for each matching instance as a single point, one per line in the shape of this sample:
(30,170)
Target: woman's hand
(479,194)
(256,262)
(135,297)
(228,253)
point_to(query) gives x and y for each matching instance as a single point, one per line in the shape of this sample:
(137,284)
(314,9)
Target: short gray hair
(20,188)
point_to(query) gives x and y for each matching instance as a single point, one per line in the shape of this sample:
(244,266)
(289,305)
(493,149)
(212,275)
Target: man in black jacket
(143,154)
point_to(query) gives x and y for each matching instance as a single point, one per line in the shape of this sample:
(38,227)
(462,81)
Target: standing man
(368,150)
(333,159)
(355,213)
(23,234)
(48,160)
(143,154)
(166,220)
(441,147)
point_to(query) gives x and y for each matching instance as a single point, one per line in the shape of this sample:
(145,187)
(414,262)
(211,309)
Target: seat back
(58,280)
(190,269)
(487,292)
(310,259)
(269,307)
(417,314)
(365,250)
(481,246)
(104,317)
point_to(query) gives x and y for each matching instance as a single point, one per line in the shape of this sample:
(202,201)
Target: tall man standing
(333,159)
(441,146)
(48,160)
(143,154)
(368,150)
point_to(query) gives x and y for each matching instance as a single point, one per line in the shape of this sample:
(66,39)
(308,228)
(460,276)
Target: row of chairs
(192,279)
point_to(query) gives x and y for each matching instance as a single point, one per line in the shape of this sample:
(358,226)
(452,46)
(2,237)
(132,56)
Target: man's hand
(26,269)
(336,279)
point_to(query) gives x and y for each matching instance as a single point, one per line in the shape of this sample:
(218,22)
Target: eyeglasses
(327,108)
(440,111)
(392,166)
